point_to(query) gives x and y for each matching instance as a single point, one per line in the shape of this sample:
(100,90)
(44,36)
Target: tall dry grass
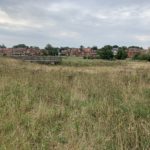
(101,107)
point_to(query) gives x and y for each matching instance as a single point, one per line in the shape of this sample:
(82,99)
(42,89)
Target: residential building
(133,51)
(19,51)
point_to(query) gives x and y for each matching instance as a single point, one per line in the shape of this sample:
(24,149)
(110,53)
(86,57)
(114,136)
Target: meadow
(79,105)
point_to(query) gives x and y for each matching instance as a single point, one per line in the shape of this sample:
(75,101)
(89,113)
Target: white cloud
(62,6)
(7,22)
(145,13)
(143,38)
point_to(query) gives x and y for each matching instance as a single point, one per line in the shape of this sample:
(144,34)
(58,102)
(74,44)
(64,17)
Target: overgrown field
(101,106)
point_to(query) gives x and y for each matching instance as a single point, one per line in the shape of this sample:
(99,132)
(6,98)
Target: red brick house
(78,52)
(86,51)
(6,51)
(89,52)
(75,52)
(133,51)
(20,51)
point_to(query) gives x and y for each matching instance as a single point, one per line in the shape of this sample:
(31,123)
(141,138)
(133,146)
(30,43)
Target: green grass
(80,62)
(96,106)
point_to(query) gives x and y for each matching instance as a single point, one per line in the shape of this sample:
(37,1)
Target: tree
(115,46)
(81,48)
(53,51)
(20,46)
(142,57)
(122,54)
(135,47)
(2,46)
(106,52)
(61,49)
(34,47)
(94,48)
(44,52)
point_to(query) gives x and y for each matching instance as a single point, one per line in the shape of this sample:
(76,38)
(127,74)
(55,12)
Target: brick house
(86,52)
(133,51)
(75,52)
(20,51)
(89,52)
(6,51)
(78,52)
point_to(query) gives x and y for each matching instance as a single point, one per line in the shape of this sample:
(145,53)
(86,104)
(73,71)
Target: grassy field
(79,105)
(80,62)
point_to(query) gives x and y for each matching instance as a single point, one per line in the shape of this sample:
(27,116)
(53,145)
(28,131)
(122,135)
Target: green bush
(121,54)
(106,53)
(142,57)
(88,57)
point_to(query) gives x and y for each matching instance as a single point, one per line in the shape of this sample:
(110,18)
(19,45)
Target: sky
(75,22)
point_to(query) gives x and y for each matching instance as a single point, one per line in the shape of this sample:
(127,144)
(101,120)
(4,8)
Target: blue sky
(75,22)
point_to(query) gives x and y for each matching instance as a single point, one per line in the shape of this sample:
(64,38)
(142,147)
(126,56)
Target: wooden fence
(40,59)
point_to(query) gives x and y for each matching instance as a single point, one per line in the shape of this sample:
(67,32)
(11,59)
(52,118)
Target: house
(5,51)
(89,52)
(133,51)
(1,51)
(85,52)
(20,51)
(75,52)
(65,52)
(33,52)
(148,50)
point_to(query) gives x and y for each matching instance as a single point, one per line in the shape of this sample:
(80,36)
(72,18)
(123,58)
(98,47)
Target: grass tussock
(60,107)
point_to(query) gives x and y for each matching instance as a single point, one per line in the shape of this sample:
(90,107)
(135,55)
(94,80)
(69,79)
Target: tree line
(105,52)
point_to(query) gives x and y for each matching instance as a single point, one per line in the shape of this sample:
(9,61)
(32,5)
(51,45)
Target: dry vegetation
(99,106)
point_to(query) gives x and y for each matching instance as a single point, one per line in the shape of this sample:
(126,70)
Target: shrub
(142,57)
(106,52)
(121,54)
(88,57)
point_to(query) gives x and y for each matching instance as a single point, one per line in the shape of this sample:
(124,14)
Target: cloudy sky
(75,22)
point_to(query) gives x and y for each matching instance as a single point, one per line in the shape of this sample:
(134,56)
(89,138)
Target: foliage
(34,47)
(2,46)
(53,51)
(63,48)
(121,54)
(115,46)
(88,57)
(91,57)
(135,47)
(106,52)
(44,52)
(81,48)
(142,57)
(94,48)
(21,46)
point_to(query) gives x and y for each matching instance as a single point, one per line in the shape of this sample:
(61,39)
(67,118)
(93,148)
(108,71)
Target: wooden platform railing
(40,59)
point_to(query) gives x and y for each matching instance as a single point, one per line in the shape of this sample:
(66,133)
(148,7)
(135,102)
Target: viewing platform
(40,59)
